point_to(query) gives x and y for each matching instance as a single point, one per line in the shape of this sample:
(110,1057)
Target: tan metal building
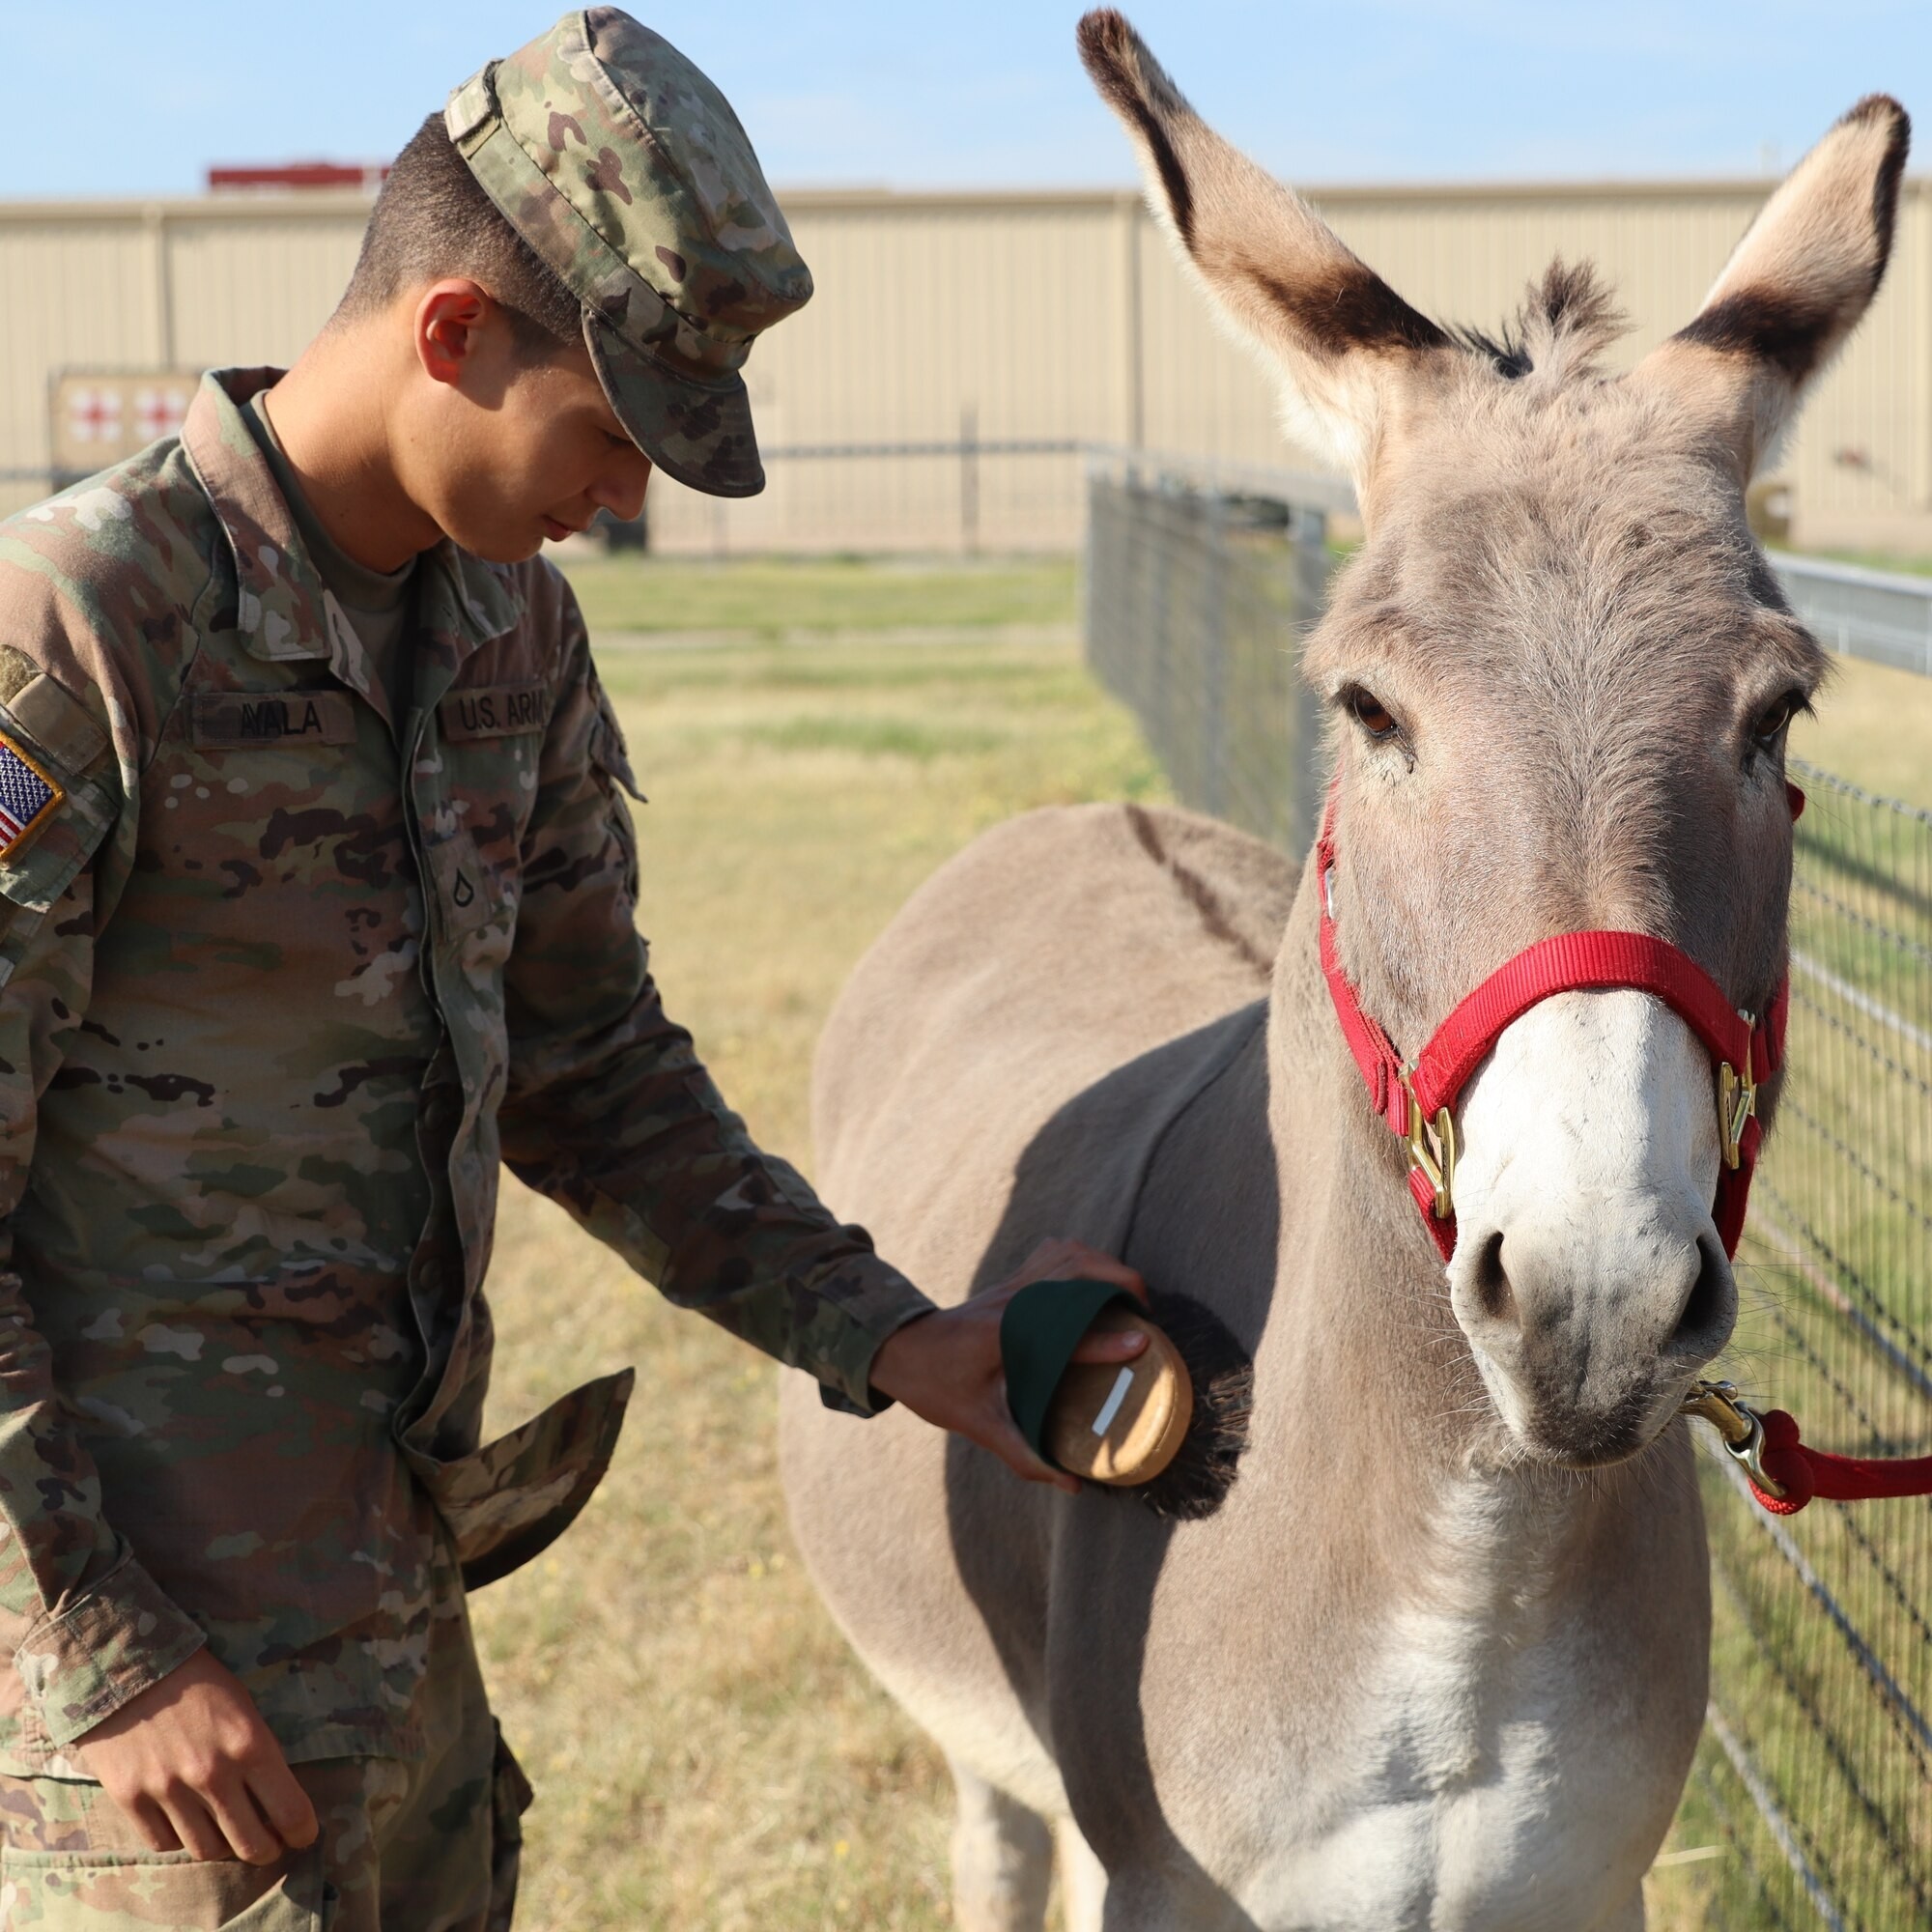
(1055,319)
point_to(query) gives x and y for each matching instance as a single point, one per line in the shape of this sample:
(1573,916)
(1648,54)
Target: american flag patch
(27,796)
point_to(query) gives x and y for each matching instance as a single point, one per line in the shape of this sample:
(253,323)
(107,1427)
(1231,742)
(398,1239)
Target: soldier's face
(503,450)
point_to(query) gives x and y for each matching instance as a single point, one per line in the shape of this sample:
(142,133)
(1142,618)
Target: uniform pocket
(157,1891)
(610,761)
(609,752)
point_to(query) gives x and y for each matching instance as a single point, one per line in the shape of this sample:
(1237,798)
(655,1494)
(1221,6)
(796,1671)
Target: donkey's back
(1056,949)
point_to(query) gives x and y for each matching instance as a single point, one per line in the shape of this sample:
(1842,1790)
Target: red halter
(1417,1101)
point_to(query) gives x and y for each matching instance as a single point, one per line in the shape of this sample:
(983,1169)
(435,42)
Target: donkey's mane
(1566,323)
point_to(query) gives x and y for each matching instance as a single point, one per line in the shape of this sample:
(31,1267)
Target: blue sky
(859,92)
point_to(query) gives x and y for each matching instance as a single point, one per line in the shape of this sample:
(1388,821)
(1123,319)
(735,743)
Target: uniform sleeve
(98,1629)
(609,1112)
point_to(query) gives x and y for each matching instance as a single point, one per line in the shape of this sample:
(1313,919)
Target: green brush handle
(1038,1333)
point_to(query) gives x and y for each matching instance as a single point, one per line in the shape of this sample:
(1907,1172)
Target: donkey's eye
(1770,723)
(1370,712)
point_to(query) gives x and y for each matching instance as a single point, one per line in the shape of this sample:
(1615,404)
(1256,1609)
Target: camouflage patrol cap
(627,172)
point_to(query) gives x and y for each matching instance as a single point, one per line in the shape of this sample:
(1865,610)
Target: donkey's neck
(1358,1299)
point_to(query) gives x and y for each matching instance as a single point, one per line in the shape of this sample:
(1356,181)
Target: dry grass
(706,1751)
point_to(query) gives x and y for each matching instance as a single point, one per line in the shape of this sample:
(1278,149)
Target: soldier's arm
(610,1112)
(98,1629)
(116,1673)
(114,1667)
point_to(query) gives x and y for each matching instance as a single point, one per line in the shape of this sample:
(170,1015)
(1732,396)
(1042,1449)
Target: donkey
(1439,1655)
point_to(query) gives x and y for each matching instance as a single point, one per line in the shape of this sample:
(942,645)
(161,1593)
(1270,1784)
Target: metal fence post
(1090,571)
(1154,634)
(969,480)
(1310,595)
(1213,673)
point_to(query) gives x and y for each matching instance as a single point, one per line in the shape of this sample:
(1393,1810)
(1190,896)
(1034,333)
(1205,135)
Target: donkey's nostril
(1491,1283)
(1704,1324)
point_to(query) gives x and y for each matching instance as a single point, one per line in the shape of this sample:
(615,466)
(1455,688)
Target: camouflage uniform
(284,977)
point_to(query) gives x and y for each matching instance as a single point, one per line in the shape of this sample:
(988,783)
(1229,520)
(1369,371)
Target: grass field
(767,598)
(815,739)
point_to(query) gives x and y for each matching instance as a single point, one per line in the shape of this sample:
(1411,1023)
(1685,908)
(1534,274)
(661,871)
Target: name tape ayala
(233,719)
(304,716)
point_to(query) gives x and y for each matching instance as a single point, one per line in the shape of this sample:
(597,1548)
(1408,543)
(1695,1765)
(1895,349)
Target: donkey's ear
(1342,338)
(1794,286)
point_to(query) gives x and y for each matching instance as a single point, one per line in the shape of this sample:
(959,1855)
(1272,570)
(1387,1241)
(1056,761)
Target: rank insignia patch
(28,796)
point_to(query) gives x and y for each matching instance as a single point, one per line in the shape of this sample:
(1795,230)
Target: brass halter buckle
(1738,1425)
(1431,1149)
(1737,1103)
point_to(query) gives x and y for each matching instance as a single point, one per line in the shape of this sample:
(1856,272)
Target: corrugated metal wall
(951,319)
(156,286)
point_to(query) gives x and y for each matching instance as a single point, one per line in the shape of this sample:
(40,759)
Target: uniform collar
(283,610)
(462,603)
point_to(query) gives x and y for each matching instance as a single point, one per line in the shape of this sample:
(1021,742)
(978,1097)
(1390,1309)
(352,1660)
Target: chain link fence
(1812,1798)
(1196,584)
(1817,1772)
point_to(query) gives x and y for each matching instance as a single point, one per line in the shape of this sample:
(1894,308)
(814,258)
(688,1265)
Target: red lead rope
(1417,1104)
(1802,1473)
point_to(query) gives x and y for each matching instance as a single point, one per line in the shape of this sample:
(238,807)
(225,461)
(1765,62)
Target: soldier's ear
(447,320)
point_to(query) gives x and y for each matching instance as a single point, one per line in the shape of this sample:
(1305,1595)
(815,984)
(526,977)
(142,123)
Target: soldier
(317,902)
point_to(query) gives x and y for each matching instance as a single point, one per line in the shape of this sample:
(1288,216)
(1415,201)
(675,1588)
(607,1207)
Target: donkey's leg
(1083,1881)
(1002,1858)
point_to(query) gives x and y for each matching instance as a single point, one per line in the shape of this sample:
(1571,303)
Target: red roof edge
(301,174)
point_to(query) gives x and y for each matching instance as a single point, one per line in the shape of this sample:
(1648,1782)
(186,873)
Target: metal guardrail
(1877,615)
(1815,1776)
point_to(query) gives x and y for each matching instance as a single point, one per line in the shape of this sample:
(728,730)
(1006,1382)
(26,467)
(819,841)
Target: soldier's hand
(946,1368)
(191,1763)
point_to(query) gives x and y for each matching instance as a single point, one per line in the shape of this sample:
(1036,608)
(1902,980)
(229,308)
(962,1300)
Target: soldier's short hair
(433,218)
